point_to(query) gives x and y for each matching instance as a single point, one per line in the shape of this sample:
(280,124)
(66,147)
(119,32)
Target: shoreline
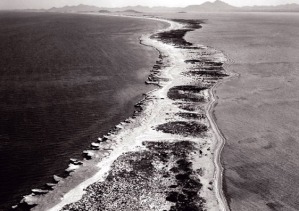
(117,151)
(219,176)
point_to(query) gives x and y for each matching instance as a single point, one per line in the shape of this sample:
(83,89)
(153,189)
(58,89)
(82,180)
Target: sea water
(65,79)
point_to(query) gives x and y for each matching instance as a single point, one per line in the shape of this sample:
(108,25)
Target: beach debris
(57,178)
(95,146)
(105,138)
(88,154)
(71,167)
(39,191)
(50,185)
(28,201)
(76,161)
(119,126)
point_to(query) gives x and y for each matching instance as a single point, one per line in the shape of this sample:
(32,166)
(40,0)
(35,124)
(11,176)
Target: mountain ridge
(216,6)
(211,6)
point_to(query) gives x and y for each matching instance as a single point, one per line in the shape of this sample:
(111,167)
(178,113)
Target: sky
(46,4)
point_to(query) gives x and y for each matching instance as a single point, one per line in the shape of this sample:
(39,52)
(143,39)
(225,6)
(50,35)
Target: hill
(104,11)
(217,6)
(131,11)
(78,8)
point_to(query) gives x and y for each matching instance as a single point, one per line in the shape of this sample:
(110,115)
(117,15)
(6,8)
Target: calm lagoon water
(258,111)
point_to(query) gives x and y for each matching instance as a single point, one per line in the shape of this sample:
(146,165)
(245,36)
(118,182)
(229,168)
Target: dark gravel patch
(134,177)
(190,23)
(183,128)
(176,37)
(191,115)
(189,106)
(208,73)
(193,61)
(186,93)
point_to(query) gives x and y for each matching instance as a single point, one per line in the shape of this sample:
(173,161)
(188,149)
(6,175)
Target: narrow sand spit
(167,156)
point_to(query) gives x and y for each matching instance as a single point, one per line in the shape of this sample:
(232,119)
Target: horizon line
(139,5)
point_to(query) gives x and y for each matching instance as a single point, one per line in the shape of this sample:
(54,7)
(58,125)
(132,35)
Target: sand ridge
(163,158)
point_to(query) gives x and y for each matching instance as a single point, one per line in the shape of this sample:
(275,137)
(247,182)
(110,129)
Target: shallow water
(66,79)
(258,112)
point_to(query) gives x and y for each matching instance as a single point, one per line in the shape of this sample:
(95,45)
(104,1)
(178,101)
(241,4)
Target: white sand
(159,109)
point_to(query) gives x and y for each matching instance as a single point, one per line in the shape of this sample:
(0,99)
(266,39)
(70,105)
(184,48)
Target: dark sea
(65,79)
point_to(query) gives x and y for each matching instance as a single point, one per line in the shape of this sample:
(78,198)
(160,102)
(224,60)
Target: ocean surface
(258,111)
(65,79)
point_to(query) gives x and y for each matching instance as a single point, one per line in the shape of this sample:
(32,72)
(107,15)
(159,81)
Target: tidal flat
(258,109)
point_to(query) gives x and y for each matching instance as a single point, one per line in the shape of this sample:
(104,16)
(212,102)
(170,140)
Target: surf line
(178,113)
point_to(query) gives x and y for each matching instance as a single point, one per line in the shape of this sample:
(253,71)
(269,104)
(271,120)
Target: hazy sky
(38,4)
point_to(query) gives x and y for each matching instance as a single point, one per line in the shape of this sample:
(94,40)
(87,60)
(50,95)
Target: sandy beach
(168,154)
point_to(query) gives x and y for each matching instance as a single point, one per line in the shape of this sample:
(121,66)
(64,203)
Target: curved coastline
(76,193)
(221,142)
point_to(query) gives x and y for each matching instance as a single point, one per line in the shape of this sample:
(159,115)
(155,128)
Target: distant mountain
(150,9)
(131,11)
(79,8)
(220,6)
(104,11)
(135,8)
(217,6)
